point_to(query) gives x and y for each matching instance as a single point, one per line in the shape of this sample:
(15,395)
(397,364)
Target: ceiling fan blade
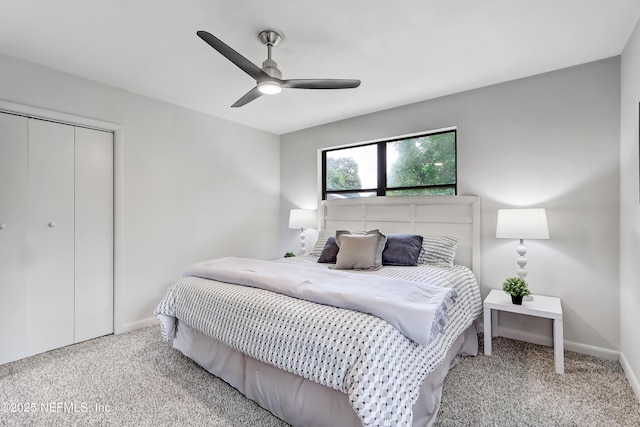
(243,63)
(320,83)
(248,97)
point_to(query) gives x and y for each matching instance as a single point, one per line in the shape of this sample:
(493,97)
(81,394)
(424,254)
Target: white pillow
(360,251)
(438,250)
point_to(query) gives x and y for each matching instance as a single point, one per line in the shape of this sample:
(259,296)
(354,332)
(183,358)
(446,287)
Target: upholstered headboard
(451,215)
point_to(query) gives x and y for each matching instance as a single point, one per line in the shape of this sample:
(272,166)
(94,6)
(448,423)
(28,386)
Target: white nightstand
(540,306)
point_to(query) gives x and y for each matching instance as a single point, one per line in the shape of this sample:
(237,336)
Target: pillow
(402,249)
(360,251)
(438,250)
(330,251)
(318,247)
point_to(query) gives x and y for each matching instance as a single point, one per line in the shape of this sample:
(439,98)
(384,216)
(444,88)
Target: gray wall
(549,141)
(630,211)
(189,186)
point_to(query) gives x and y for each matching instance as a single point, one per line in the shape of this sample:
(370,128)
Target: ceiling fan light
(269,87)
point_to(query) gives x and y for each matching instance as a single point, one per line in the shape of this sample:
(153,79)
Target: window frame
(382,188)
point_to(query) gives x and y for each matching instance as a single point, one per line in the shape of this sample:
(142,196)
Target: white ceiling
(404,51)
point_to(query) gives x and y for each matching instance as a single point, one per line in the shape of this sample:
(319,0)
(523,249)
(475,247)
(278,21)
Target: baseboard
(603,353)
(519,335)
(631,376)
(516,334)
(128,327)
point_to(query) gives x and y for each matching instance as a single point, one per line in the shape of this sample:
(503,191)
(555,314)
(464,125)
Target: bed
(311,363)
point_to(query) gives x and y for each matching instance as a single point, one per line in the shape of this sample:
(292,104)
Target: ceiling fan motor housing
(270,67)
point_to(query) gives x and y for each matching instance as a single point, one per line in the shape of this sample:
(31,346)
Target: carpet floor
(135,379)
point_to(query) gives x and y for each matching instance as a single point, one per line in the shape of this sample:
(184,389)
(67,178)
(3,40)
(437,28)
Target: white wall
(630,211)
(189,186)
(550,141)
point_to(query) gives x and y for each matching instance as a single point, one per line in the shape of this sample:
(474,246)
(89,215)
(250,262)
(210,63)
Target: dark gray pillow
(402,249)
(330,251)
(321,242)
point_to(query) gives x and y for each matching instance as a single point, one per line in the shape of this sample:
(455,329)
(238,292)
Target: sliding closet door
(13,237)
(94,234)
(50,236)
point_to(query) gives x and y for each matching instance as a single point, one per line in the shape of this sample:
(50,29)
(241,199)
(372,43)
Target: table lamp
(302,218)
(522,224)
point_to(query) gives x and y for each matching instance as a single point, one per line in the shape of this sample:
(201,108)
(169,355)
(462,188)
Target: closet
(56,235)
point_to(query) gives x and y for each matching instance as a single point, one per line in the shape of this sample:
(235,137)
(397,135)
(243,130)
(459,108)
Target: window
(414,165)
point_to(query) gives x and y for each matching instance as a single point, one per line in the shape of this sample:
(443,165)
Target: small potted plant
(289,255)
(516,287)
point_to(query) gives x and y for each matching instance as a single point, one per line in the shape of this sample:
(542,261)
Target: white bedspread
(418,310)
(361,355)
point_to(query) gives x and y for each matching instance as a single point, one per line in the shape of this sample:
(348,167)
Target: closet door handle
(52,224)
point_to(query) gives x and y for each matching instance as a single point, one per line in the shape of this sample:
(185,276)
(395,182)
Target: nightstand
(540,306)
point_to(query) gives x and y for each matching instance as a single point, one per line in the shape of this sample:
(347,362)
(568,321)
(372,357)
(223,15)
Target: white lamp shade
(302,218)
(522,224)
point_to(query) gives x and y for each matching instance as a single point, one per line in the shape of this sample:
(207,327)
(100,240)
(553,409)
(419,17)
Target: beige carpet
(517,386)
(137,380)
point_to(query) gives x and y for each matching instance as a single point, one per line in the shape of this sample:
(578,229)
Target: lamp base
(303,250)
(522,262)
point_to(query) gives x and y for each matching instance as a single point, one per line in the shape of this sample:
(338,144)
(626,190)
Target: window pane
(419,165)
(352,168)
(333,196)
(424,160)
(446,191)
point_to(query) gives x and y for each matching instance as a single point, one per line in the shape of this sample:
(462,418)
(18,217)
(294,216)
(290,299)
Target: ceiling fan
(269,78)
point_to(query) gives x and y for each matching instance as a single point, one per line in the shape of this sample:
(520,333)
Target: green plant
(516,286)
(289,254)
